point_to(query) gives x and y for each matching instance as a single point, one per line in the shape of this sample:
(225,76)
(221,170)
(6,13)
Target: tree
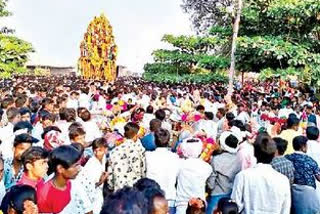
(13,51)
(275,36)
(281,36)
(189,61)
(207,13)
(234,46)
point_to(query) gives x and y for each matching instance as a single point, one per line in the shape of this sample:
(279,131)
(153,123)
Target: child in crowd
(35,163)
(64,163)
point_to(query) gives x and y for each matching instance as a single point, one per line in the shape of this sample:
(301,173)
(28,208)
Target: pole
(234,47)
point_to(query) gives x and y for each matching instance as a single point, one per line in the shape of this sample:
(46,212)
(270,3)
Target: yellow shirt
(289,135)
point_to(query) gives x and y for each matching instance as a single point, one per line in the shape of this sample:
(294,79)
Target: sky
(56,27)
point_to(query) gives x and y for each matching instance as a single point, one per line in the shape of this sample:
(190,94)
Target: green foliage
(173,78)
(276,38)
(193,44)
(280,37)
(155,68)
(189,62)
(13,54)
(13,51)
(3,11)
(176,57)
(282,73)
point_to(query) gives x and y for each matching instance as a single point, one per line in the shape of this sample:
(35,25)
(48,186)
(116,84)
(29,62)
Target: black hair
(99,142)
(65,156)
(33,154)
(24,138)
(230,116)
(200,108)
(312,133)
(20,101)
(145,183)
(23,125)
(150,194)
(155,124)
(24,110)
(78,146)
(209,115)
(131,129)
(76,132)
(238,124)
(281,145)
(6,102)
(222,111)
(84,114)
(292,121)
(149,109)
(44,115)
(34,107)
(75,125)
(46,101)
(12,113)
(264,148)
(232,141)
(160,114)
(70,114)
(162,137)
(299,142)
(125,201)
(16,197)
(227,206)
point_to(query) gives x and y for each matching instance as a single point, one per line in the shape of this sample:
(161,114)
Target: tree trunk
(234,47)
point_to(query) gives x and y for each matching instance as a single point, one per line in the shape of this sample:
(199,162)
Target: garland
(266,117)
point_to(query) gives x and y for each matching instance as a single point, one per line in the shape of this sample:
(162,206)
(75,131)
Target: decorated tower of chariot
(98,51)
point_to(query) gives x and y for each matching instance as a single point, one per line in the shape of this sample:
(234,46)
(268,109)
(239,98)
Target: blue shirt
(148,142)
(305,169)
(9,178)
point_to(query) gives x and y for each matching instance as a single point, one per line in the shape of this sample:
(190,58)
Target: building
(54,70)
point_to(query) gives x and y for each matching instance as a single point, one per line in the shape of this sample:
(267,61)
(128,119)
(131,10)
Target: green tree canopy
(278,37)
(13,51)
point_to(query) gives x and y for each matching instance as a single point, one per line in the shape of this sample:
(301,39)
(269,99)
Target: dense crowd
(77,146)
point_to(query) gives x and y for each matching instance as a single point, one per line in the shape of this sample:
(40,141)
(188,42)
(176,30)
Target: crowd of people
(76,146)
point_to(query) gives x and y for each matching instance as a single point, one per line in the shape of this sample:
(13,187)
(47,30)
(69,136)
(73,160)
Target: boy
(78,135)
(46,120)
(127,161)
(6,133)
(25,114)
(93,173)
(35,163)
(64,162)
(13,168)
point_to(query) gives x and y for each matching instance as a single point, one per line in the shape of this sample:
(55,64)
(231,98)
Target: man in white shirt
(73,100)
(313,146)
(84,99)
(192,176)
(261,189)
(207,125)
(243,116)
(285,112)
(6,133)
(148,116)
(163,166)
(161,115)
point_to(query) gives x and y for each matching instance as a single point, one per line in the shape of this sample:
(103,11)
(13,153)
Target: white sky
(56,27)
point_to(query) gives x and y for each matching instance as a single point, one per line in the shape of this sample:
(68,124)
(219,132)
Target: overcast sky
(56,27)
